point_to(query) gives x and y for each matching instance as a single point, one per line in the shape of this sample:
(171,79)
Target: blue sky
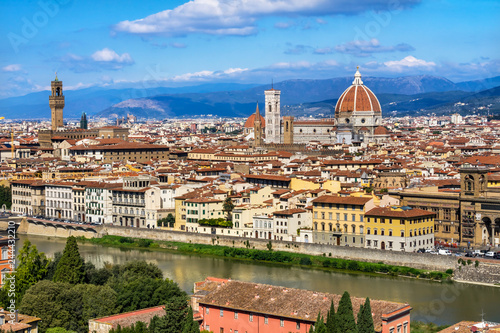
(129,43)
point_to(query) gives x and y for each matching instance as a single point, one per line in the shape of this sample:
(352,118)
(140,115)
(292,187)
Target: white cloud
(283,25)
(324,50)
(105,59)
(79,85)
(207,75)
(235,70)
(109,55)
(12,68)
(365,48)
(238,17)
(297,49)
(178,45)
(409,62)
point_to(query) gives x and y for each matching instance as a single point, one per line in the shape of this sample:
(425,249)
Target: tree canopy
(105,291)
(70,268)
(365,319)
(345,315)
(32,267)
(228,207)
(5,196)
(343,320)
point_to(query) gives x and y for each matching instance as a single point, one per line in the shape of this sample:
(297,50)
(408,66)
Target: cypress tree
(70,267)
(320,326)
(190,326)
(330,319)
(359,321)
(365,319)
(345,315)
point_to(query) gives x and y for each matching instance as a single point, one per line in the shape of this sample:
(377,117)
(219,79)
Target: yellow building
(333,186)
(297,184)
(258,196)
(339,220)
(180,213)
(399,228)
(201,209)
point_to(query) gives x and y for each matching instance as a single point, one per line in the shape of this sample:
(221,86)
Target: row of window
(399,327)
(59,204)
(337,206)
(338,228)
(383,220)
(346,216)
(59,213)
(402,244)
(250,318)
(58,194)
(414,232)
(21,193)
(129,211)
(21,202)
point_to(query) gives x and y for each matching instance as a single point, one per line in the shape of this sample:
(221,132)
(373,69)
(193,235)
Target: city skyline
(182,43)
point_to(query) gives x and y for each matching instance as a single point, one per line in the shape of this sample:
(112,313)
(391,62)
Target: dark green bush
(306,261)
(353,265)
(126,240)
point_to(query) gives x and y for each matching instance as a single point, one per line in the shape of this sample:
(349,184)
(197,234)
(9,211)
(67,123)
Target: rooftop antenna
(272,83)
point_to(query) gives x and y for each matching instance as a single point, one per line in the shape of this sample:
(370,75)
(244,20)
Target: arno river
(441,303)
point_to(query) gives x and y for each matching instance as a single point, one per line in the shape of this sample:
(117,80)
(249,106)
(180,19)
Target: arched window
(469,183)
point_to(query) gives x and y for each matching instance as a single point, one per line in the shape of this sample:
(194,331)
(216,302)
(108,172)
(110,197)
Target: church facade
(358,118)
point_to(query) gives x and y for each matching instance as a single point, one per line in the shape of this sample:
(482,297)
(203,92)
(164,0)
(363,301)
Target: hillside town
(404,185)
(360,181)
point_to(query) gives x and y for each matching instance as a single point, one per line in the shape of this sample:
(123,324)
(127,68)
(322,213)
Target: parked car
(478,253)
(490,254)
(469,254)
(497,256)
(445,252)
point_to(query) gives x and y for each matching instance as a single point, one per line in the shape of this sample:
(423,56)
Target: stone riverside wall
(484,273)
(28,227)
(416,260)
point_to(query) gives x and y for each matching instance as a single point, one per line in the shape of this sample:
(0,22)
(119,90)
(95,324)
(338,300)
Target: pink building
(228,306)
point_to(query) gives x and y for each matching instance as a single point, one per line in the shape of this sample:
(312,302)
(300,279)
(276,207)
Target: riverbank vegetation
(421,327)
(67,291)
(287,258)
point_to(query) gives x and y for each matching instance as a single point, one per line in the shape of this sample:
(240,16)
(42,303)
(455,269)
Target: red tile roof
(332,199)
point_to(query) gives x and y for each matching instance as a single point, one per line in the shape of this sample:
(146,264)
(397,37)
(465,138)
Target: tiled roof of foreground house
(471,326)
(283,301)
(21,324)
(128,318)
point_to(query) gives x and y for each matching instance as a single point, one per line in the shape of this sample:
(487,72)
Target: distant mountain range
(422,94)
(439,103)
